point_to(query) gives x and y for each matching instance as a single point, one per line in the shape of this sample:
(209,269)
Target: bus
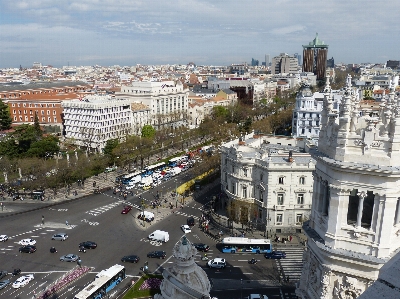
(149,170)
(126,178)
(104,282)
(246,245)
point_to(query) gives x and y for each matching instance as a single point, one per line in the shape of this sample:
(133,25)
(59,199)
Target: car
(190,221)
(129,187)
(275,255)
(27,242)
(218,263)
(130,259)
(69,258)
(28,249)
(3,274)
(157,254)
(257,296)
(110,169)
(126,209)
(201,247)
(88,244)
(186,228)
(147,187)
(22,281)
(3,238)
(4,283)
(60,237)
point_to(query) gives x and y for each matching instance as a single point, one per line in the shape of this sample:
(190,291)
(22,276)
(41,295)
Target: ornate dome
(305,90)
(185,279)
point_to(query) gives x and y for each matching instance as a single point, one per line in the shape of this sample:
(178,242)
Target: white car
(22,281)
(186,228)
(3,238)
(27,242)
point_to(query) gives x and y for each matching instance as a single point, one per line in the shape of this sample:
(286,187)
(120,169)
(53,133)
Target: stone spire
(185,279)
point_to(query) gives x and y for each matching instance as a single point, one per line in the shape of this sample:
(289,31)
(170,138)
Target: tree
(5,118)
(36,126)
(111,144)
(44,148)
(148,131)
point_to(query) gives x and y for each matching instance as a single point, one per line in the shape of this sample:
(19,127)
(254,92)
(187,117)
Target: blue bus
(245,245)
(104,282)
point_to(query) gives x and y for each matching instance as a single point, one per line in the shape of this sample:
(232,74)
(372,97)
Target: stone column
(384,228)
(397,219)
(361,197)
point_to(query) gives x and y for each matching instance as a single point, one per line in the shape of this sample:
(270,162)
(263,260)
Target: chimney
(290,156)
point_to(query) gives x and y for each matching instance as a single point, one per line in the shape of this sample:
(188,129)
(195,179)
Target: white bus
(245,245)
(104,282)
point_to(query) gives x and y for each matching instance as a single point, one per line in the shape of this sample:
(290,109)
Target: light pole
(176,193)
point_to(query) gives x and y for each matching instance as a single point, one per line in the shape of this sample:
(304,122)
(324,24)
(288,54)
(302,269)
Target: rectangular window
(43,119)
(244,192)
(300,199)
(279,219)
(225,177)
(15,118)
(48,112)
(353,207)
(26,118)
(42,111)
(261,176)
(302,180)
(299,219)
(245,172)
(261,195)
(281,180)
(49,119)
(280,199)
(31,118)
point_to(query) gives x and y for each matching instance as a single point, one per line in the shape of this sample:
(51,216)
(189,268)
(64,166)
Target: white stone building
(167,100)
(275,175)
(306,119)
(94,119)
(354,227)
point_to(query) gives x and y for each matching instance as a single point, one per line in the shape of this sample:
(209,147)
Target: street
(98,218)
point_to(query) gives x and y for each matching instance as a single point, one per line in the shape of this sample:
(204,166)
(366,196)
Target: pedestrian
(287,278)
(66,223)
(290,238)
(79,262)
(42,220)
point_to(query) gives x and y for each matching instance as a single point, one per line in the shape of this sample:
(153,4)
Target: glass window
(299,218)
(279,219)
(245,172)
(300,199)
(244,192)
(280,199)
(302,180)
(281,180)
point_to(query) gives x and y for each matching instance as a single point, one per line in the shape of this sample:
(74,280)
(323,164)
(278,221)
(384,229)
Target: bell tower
(354,226)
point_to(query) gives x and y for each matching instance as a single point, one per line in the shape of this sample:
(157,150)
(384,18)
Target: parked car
(27,242)
(4,283)
(3,274)
(60,237)
(88,245)
(201,247)
(110,169)
(126,209)
(28,249)
(157,254)
(130,259)
(3,238)
(186,228)
(129,187)
(218,263)
(190,221)
(69,258)
(22,281)
(275,255)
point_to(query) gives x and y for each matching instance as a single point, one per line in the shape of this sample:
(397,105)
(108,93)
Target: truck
(159,235)
(146,181)
(176,170)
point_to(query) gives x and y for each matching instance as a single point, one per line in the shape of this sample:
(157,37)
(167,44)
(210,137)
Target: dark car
(3,274)
(28,248)
(157,254)
(130,259)
(126,209)
(275,255)
(190,221)
(201,247)
(4,283)
(88,245)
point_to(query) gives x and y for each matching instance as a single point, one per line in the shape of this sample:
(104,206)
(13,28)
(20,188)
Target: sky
(218,32)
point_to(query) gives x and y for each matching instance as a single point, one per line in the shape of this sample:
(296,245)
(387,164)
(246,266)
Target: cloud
(288,29)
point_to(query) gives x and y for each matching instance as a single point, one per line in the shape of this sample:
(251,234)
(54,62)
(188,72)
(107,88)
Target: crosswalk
(292,265)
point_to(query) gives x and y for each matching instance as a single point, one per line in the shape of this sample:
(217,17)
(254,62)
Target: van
(160,236)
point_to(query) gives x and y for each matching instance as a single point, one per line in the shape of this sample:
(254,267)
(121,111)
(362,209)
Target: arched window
(302,180)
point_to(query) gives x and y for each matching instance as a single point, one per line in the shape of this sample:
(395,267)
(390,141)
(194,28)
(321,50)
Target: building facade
(269,177)
(315,56)
(355,218)
(284,64)
(91,121)
(167,100)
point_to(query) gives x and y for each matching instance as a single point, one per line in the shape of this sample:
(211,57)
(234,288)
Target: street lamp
(176,193)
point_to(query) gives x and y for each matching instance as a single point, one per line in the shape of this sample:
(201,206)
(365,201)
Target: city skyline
(89,32)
